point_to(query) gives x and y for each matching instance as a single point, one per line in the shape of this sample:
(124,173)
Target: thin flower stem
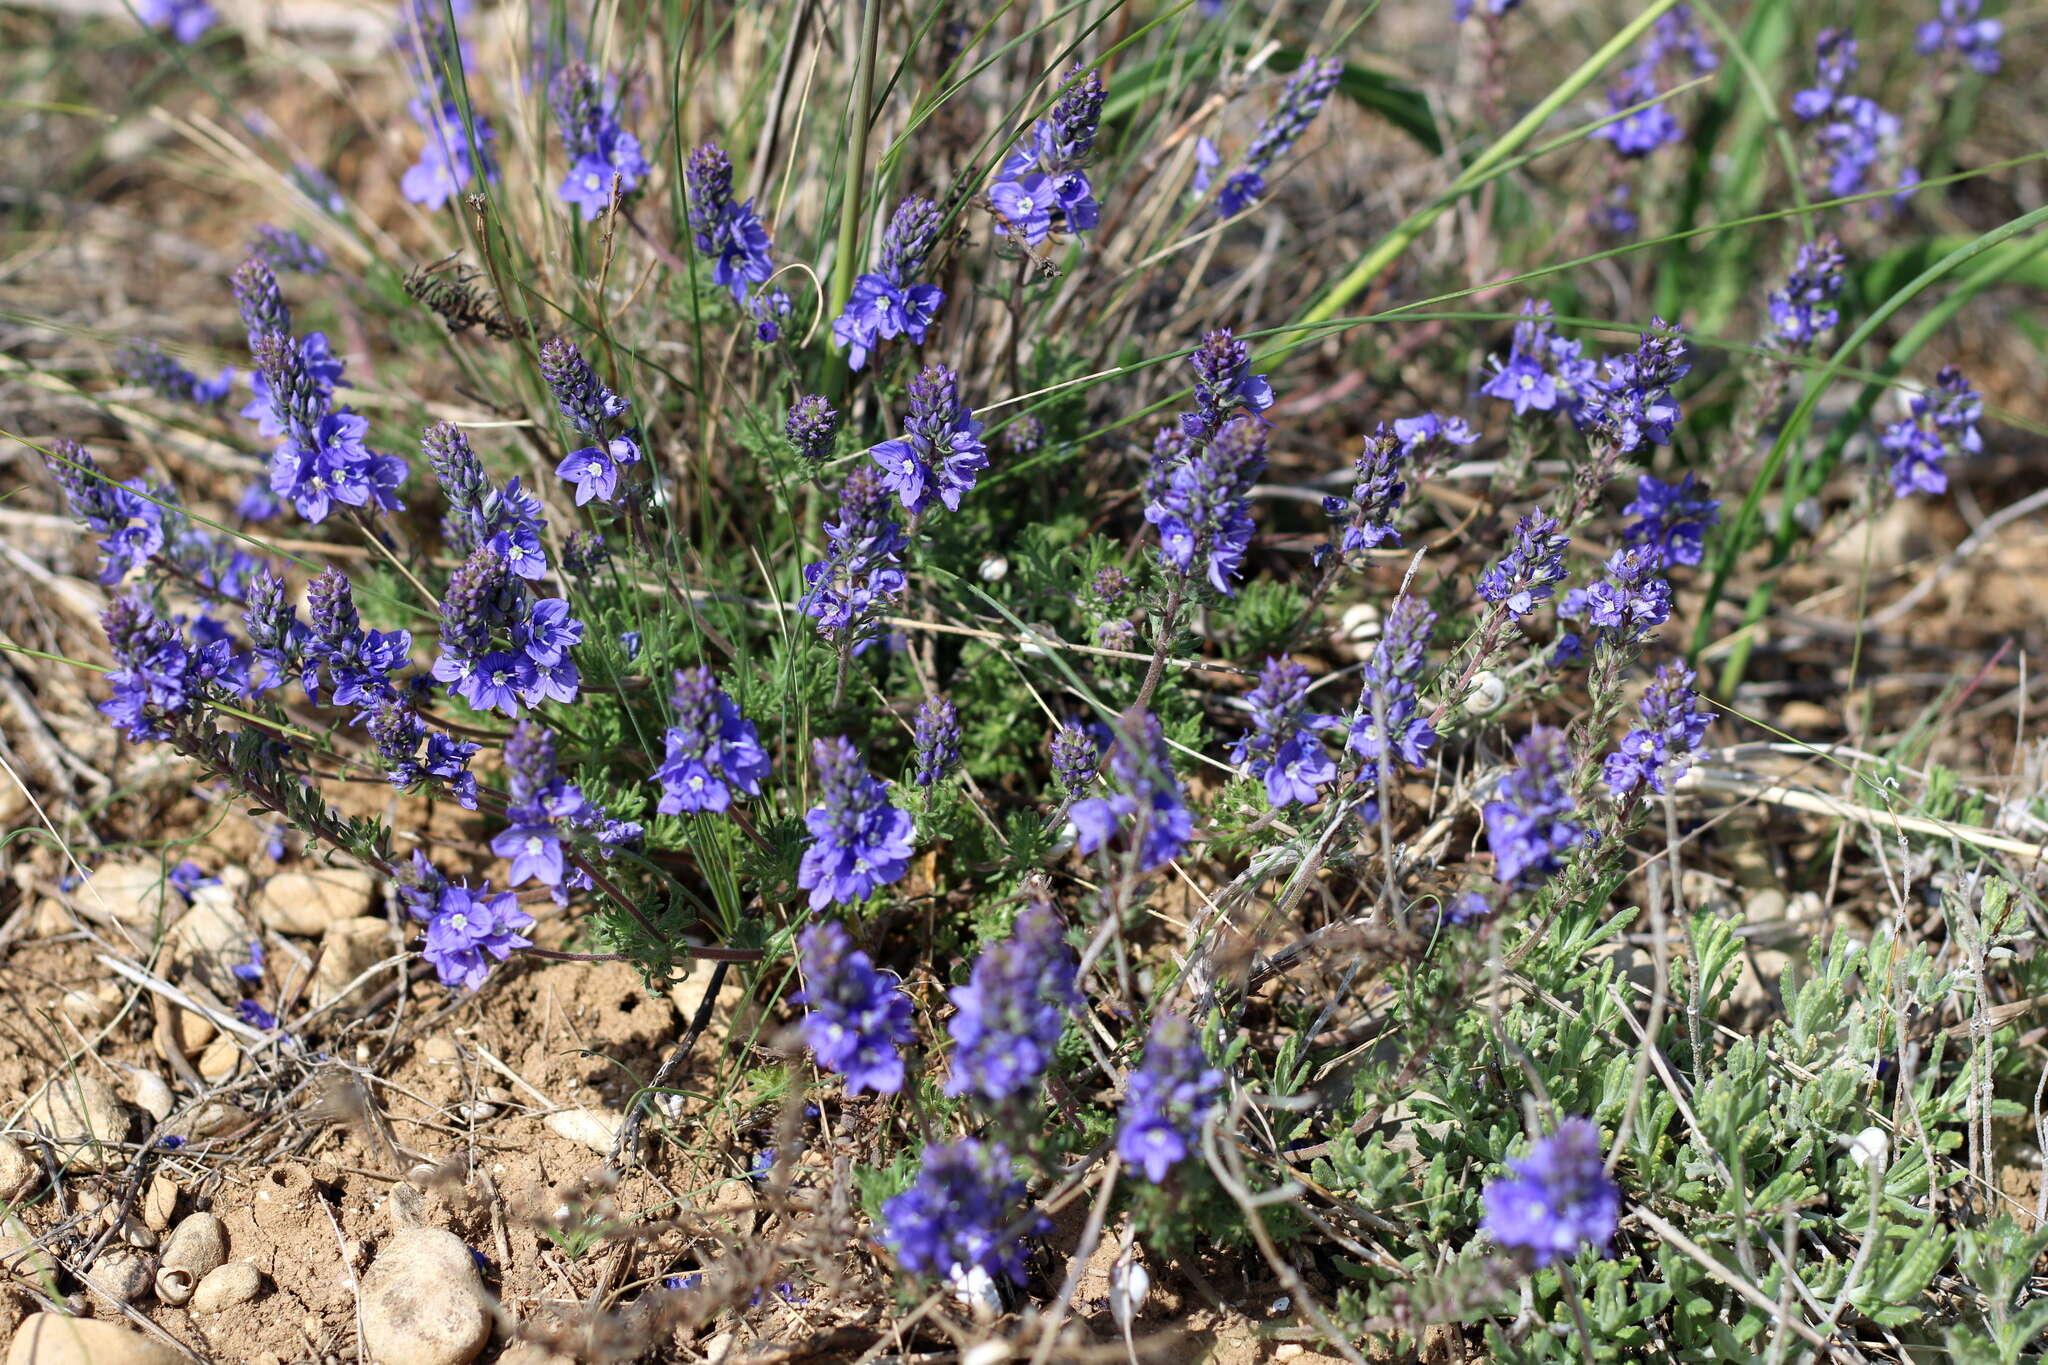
(1157,668)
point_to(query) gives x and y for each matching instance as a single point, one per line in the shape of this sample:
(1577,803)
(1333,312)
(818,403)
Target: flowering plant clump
(1166,626)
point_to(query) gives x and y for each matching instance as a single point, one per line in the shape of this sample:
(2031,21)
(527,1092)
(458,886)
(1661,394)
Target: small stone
(19,1254)
(441,1050)
(422,1302)
(79,1114)
(227,1285)
(209,1119)
(1795,717)
(55,1339)
(137,1233)
(307,903)
(50,919)
(120,1276)
(151,1094)
(88,1009)
(220,1059)
(211,941)
(18,1171)
(191,1031)
(160,1201)
(597,1129)
(349,948)
(134,892)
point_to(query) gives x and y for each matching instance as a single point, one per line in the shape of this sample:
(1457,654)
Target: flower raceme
(856,1018)
(599,148)
(1555,1200)
(730,234)
(1166,1099)
(1301,99)
(1659,751)
(1528,825)
(940,454)
(934,741)
(860,574)
(955,1217)
(712,750)
(1008,1017)
(1148,806)
(859,840)
(890,301)
(1202,505)
(1042,185)
(1282,747)
(1938,425)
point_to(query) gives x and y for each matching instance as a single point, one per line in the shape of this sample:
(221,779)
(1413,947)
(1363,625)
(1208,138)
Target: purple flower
(470,928)
(1660,751)
(1041,183)
(712,749)
(1558,1199)
(1632,401)
(1625,604)
(451,156)
(535,851)
(285,250)
(1026,206)
(1076,758)
(1282,746)
(811,429)
(1224,383)
(1527,822)
(1525,574)
(1671,519)
(1166,1099)
(1852,132)
(1301,99)
(132,516)
(1202,505)
(935,741)
(1957,30)
(859,575)
(957,1215)
(1941,424)
(856,1018)
(731,235)
(1801,311)
(159,675)
(398,731)
(599,149)
(144,363)
(595,471)
(940,453)
(184,20)
(358,664)
(1008,1017)
(889,302)
(1544,372)
(479,513)
(859,841)
(579,393)
(1643,130)
(1461,10)
(1388,692)
(1149,799)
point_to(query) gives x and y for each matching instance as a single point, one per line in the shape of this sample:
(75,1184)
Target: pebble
(19,1254)
(195,1250)
(349,948)
(90,1009)
(54,1339)
(596,1129)
(423,1303)
(220,1059)
(160,1201)
(18,1171)
(211,940)
(134,892)
(308,903)
(78,1113)
(120,1276)
(151,1094)
(227,1285)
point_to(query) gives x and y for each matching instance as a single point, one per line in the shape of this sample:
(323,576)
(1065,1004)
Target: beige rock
(19,1254)
(136,891)
(13,801)
(151,1094)
(227,1285)
(596,1129)
(423,1303)
(160,1201)
(533,1353)
(90,1009)
(306,903)
(17,1171)
(51,919)
(210,1119)
(192,1030)
(349,948)
(120,1276)
(137,1233)
(220,1059)
(54,1339)
(211,940)
(79,1113)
